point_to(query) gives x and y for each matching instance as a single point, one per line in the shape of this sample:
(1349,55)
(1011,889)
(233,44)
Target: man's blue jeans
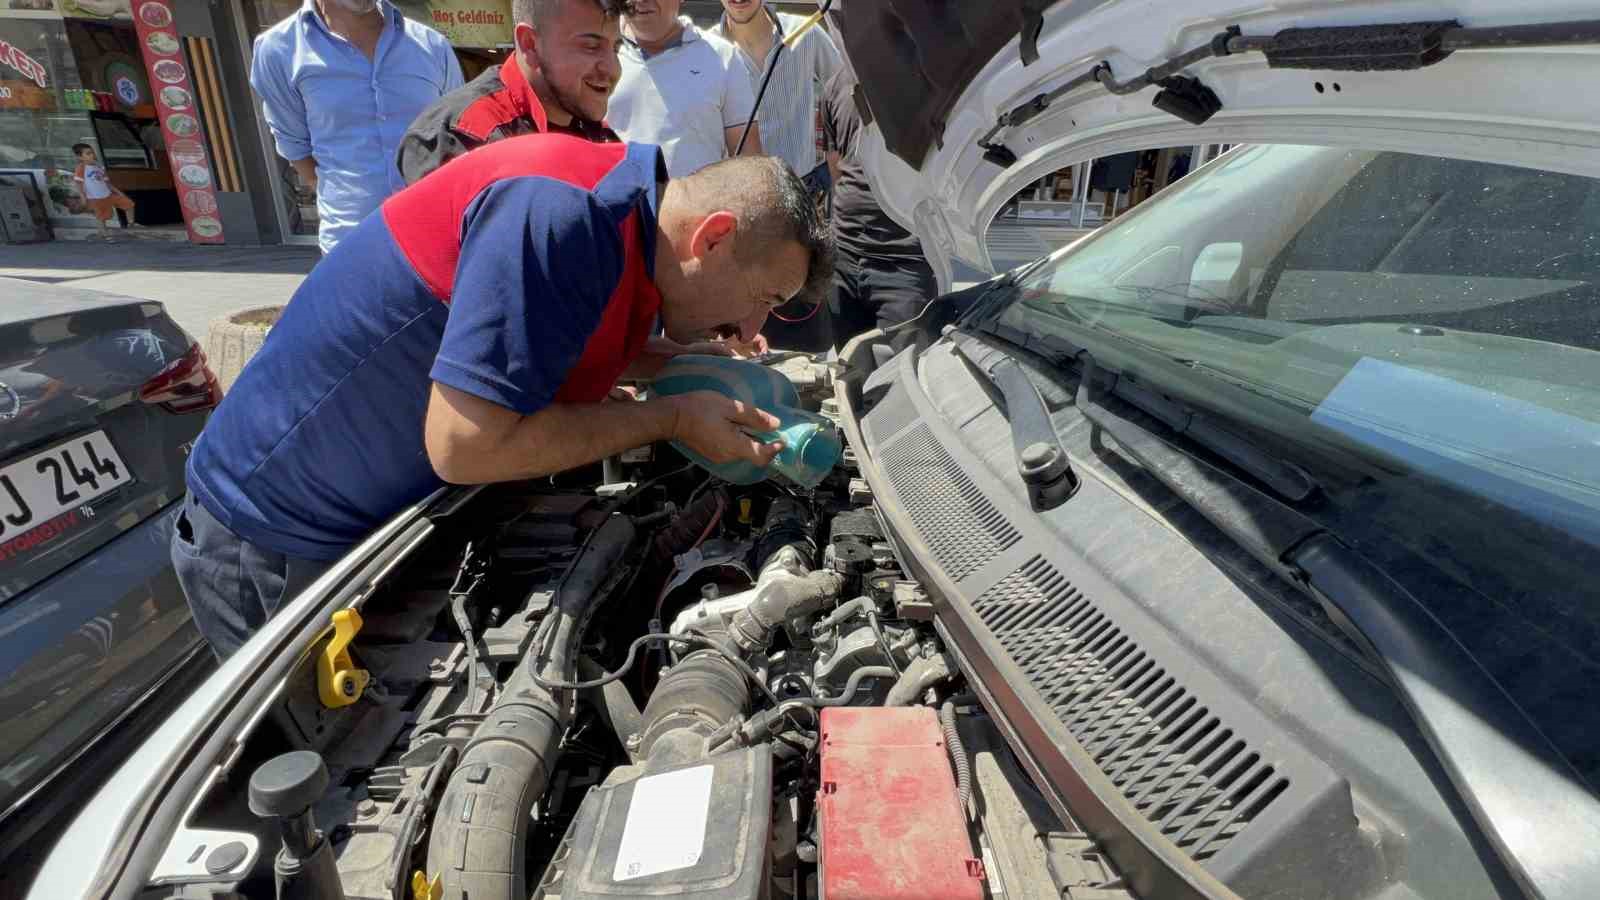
(233,586)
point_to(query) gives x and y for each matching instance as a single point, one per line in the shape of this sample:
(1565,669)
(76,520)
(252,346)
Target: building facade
(160,89)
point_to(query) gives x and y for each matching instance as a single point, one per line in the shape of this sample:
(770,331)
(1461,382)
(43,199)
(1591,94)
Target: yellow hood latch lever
(423,889)
(339,682)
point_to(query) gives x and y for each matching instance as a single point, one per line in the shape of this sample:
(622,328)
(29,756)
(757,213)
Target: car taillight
(185,385)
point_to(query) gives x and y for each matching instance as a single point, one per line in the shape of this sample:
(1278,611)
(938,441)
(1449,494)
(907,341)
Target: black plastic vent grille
(891,415)
(1194,777)
(962,527)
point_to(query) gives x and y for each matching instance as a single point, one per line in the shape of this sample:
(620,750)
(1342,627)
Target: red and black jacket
(497,104)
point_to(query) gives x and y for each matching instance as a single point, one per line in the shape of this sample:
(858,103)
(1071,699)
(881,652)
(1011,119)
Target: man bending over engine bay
(469,332)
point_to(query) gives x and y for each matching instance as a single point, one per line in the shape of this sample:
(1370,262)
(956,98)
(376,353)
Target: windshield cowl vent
(964,529)
(1191,774)
(1229,793)
(1143,739)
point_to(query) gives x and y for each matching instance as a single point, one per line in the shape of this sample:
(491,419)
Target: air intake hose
(479,837)
(695,698)
(784,590)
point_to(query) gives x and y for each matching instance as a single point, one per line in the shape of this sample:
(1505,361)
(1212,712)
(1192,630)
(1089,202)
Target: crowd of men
(499,254)
(362,102)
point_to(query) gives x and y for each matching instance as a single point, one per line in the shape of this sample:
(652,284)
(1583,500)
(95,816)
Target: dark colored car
(100,399)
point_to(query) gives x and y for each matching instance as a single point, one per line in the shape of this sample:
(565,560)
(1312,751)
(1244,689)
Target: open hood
(1492,80)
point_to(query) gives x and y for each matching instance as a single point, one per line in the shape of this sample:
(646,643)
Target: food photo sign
(180,120)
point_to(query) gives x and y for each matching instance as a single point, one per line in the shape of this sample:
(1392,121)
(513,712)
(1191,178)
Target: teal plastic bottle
(811,444)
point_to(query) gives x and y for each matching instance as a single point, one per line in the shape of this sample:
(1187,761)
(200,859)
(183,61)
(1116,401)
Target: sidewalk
(197,284)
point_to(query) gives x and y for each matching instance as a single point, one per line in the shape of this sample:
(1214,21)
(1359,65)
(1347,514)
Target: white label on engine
(666,827)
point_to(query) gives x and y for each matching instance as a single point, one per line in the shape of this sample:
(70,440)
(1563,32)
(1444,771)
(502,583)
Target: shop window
(42,114)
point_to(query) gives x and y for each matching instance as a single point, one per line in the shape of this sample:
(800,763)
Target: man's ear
(712,232)
(527,43)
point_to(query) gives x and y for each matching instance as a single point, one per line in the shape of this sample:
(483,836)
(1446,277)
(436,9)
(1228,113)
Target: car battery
(691,832)
(890,826)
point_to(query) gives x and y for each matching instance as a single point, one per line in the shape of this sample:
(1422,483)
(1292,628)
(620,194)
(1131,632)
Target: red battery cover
(890,823)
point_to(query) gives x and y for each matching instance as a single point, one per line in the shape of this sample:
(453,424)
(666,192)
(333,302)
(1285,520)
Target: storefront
(77,73)
(1092,193)
(194,154)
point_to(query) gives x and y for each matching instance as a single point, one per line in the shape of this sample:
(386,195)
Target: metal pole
(1083,192)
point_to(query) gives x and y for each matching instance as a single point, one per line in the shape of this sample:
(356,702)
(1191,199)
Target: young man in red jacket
(557,80)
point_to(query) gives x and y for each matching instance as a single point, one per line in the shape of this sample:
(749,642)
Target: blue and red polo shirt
(521,273)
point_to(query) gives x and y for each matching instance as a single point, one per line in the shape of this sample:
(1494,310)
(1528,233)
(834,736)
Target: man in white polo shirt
(681,89)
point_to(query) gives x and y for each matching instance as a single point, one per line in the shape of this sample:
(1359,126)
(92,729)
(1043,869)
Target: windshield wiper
(1041,460)
(1530,803)
(1286,479)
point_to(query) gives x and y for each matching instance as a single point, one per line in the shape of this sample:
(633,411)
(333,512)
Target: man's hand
(756,346)
(729,347)
(713,426)
(306,169)
(710,348)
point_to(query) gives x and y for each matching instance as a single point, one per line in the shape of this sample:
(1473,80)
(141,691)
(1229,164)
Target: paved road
(197,284)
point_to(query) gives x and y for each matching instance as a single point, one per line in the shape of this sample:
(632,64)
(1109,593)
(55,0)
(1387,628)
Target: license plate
(67,476)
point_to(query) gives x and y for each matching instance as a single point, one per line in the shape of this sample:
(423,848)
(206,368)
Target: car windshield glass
(1420,333)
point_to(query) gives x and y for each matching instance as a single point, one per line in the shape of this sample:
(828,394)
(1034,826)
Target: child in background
(103,198)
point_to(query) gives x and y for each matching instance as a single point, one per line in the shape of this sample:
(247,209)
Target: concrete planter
(236,337)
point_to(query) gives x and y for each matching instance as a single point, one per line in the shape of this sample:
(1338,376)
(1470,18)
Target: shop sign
(465,23)
(127,91)
(186,146)
(31,9)
(31,69)
(104,10)
(19,94)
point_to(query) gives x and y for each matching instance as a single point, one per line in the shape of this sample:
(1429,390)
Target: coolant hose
(851,685)
(958,756)
(920,674)
(860,606)
(478,841)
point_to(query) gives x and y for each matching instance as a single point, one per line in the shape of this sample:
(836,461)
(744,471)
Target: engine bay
(660,685)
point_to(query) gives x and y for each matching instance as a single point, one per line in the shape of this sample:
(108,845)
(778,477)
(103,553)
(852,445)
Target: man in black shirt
(881,277)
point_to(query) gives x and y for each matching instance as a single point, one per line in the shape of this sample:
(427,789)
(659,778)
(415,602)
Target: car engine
(657,685)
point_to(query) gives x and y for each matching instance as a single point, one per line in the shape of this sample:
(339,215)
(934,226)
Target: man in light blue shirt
(340,80)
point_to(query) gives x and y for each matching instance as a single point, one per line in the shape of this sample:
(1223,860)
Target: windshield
(1422,334)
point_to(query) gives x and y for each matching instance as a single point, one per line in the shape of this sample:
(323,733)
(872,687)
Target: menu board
(180,119)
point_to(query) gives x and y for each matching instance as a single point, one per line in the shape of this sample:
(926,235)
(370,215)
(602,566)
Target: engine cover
(890,825)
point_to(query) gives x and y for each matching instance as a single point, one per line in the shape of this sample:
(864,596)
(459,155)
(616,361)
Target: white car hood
(1531,106)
